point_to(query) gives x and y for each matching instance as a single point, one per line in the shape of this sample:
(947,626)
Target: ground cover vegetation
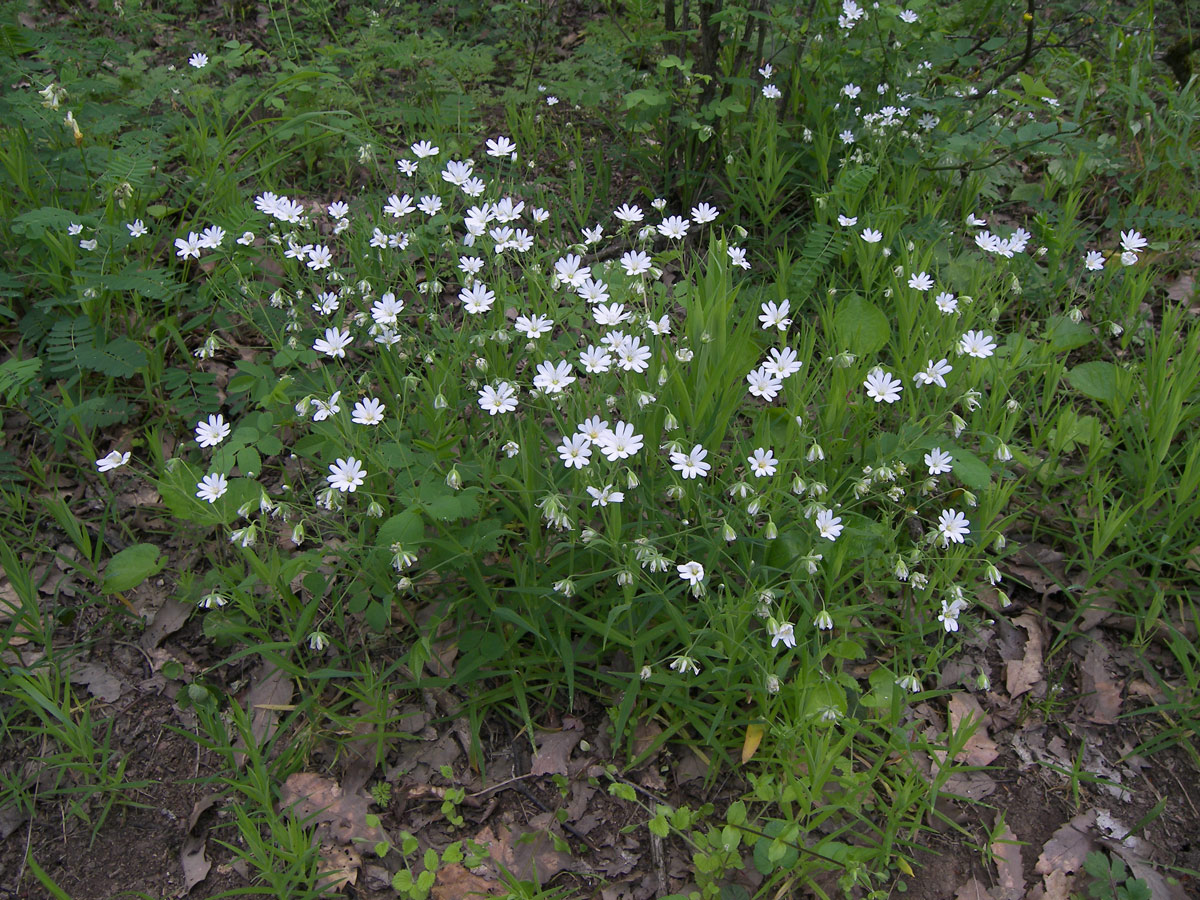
(539,449)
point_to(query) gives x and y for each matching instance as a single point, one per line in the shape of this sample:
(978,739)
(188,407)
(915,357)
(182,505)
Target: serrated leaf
(119,358)
(130,567)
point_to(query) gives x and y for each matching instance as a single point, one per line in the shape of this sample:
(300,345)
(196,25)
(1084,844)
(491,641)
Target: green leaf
(970,469)
(860,326)
(129,568)
(119,358)
(1063,334)
(404,528)
(1102,381)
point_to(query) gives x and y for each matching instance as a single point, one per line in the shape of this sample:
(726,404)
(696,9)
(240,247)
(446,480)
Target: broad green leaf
(129,568)
(1102,381)
(861,326)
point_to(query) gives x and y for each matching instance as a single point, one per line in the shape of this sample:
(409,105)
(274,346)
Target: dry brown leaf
(1058,886)
(100,681)
(970,785)
(11,818)
(341,823)
(554,752)
(457,883)
(525,854)
(972,890)
(191,855)
(1009,870)
(167,620)
(979,750)
(1102,700)
(339,865)
(270,692)
(1183,288)
(1069,846)
(340,815)
(1023,674)
(1038,566)
(195,864)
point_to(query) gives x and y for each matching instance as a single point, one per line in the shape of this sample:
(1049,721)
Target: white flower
(113,460)
(920,281)
(692,464)
(605,495)
(946,302)
(764,384)
(397,207)
(198,60)
(908,16)
(737,256)
(212,432)
(1094,261)
(319,257)
(782,362)
(570,270)
(635,263)
(334,343)
(212,487)
(934,373)
(386,310)
(674,227)
(1129,258)
(533,327)
(775,315)
(368,411)
(782,633)
(953,526)
(212,600)
(575,450)
(627,213)
(499,399)
(882,387)
(501,147)
(326,409)
(828,525)
(595,359)
(823,620)
(703,213)
(939,461)
(553,377)
(691,572)
(771,92)
(189,246)
(871,236)
(620,442)
(136,228)
(457,172)
(632,355)
(423,149)
(477,298)
(610,314)
(346,474)
(684,664)
(763,463)
(847,221)
(1133,242)
(977,344)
